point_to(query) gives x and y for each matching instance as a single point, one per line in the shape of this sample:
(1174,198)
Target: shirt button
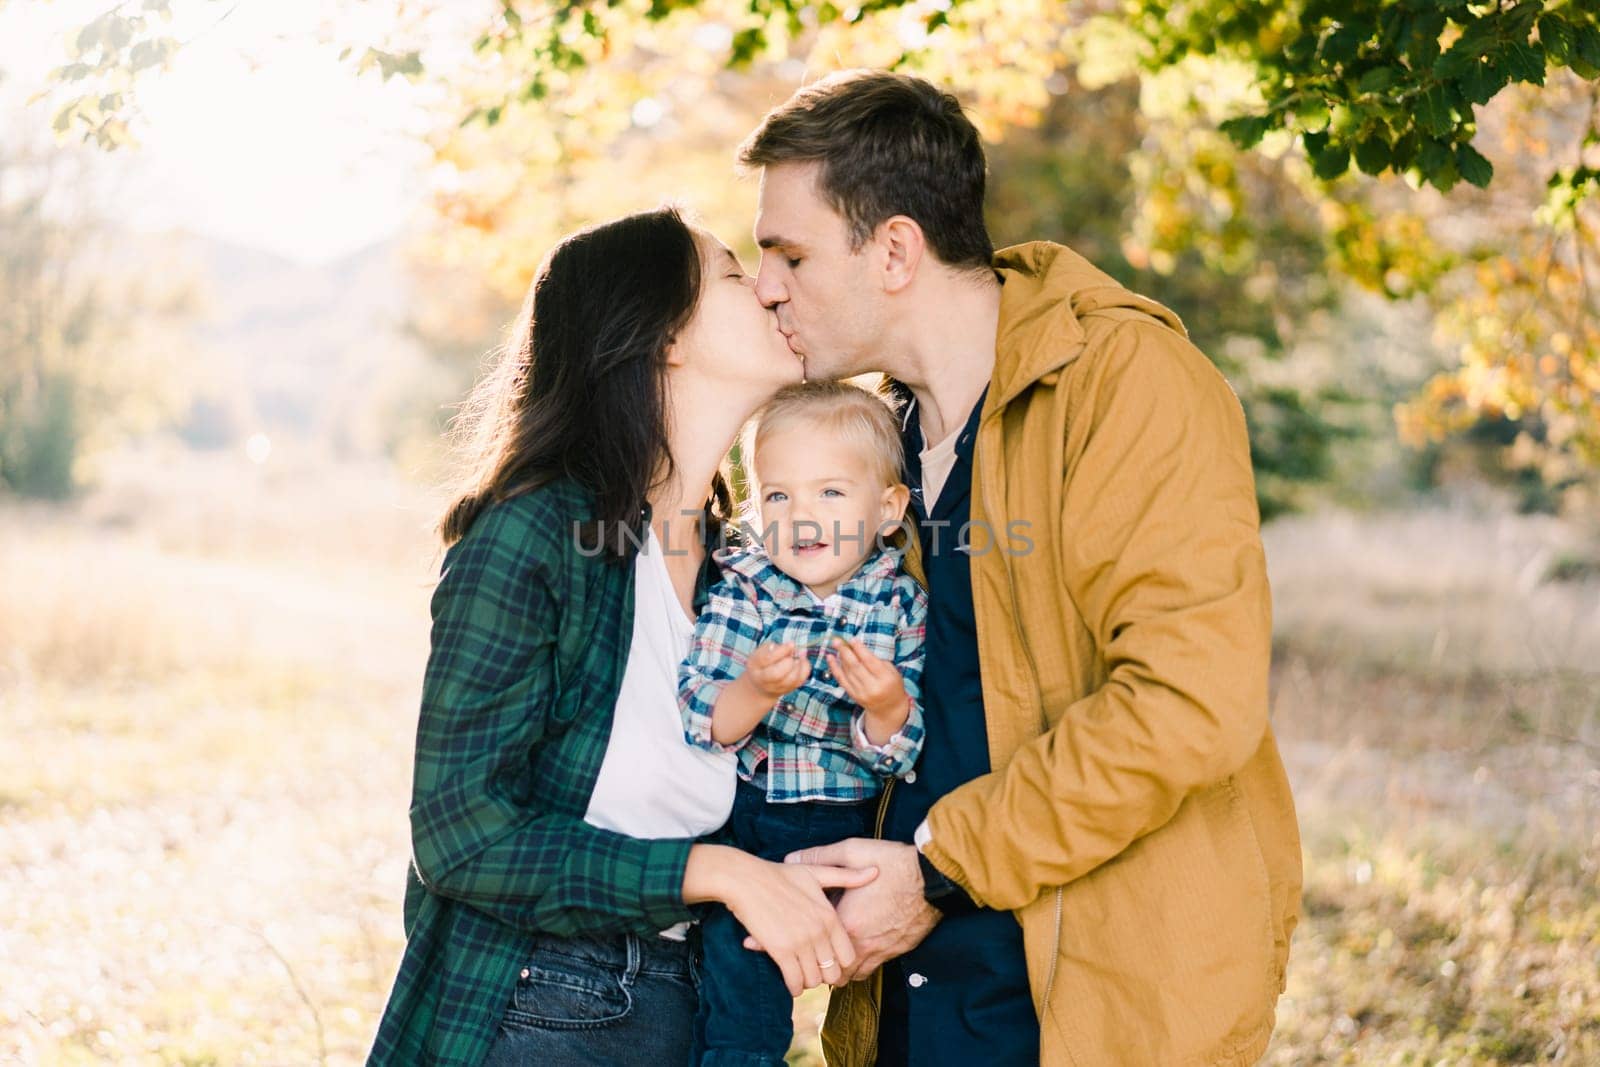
(911,777)
(917,981)
(525,972)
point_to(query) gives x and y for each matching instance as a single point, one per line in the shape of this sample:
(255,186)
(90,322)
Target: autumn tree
(86,344)
(1268,157)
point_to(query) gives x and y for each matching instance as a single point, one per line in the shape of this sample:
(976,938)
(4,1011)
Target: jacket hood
(1048,290)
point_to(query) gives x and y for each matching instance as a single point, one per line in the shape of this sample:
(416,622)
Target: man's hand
(888,916)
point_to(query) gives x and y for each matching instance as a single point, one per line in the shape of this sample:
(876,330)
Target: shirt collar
(790,595)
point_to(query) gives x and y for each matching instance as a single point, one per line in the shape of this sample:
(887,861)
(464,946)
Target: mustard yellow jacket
(1137,818)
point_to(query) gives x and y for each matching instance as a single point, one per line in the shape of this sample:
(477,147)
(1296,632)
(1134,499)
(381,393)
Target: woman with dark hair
(555,805)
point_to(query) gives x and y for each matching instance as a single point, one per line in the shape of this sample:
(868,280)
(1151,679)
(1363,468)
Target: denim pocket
(557,991)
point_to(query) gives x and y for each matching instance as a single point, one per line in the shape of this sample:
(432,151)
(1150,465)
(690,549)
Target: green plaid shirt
(530,637)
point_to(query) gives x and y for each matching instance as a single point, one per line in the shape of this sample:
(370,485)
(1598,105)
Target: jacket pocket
(556,991)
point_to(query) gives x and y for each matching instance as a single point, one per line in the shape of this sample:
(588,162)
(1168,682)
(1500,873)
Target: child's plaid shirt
(811,742)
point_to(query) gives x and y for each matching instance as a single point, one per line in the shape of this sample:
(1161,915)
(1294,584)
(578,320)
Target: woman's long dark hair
(580,388)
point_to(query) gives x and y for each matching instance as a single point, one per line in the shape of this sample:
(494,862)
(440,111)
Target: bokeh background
(252,253)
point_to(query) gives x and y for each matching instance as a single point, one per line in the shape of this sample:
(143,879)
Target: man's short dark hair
(888,144)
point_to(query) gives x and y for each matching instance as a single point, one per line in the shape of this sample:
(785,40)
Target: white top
(652,782)
(937,462)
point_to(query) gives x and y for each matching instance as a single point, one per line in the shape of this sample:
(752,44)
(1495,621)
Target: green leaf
(747,43)
(392,64)
(1481,82)
(88,38)
(1377,79)
(113,134)
(1558,38)
(1299,52)
(1517,20)
(1393,27)
(64,117)
(1312,111)
(1245,131)
(1433,112)
(72,72)
(1404,151)
(153,52)
(1347,120)
(1373,154)
(1433,157)
(1565,190)
(1341,45)
(1330,162)
(1423,48)
(1455,62)
(1473,166)
(1525,62)
(118,32)
(1586,44)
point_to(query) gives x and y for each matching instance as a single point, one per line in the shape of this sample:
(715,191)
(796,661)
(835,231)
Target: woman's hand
(783,906)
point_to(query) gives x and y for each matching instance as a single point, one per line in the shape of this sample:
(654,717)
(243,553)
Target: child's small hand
(871,681)
(776,669)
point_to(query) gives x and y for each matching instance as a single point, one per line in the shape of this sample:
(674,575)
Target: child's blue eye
(773,496)
(832,492)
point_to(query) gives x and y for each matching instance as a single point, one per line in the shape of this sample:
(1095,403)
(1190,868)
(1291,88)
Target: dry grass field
(208,676)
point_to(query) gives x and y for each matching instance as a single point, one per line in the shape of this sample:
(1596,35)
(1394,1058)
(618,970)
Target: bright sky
(258,134)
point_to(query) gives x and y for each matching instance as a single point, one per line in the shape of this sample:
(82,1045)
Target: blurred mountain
(320,353)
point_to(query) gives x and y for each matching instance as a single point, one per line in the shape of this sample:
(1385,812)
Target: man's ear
(903,244)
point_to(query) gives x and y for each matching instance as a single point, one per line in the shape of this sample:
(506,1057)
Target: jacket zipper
(883,807)
(1055,953)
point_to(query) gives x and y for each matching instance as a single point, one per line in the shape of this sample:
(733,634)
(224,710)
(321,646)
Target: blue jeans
(618,1000)
(746,1014)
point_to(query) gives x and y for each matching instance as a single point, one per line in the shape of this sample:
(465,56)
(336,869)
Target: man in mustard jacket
(1096,860)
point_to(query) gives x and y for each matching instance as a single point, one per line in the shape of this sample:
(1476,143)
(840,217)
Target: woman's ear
(674,352)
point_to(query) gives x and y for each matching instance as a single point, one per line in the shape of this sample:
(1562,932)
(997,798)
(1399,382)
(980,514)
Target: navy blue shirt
(960,997)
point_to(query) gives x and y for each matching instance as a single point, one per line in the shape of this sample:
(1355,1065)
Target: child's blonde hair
(843,411)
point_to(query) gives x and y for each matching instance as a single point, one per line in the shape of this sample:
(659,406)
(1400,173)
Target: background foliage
(1270,159)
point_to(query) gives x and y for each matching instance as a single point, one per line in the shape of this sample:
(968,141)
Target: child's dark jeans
(746,1014)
